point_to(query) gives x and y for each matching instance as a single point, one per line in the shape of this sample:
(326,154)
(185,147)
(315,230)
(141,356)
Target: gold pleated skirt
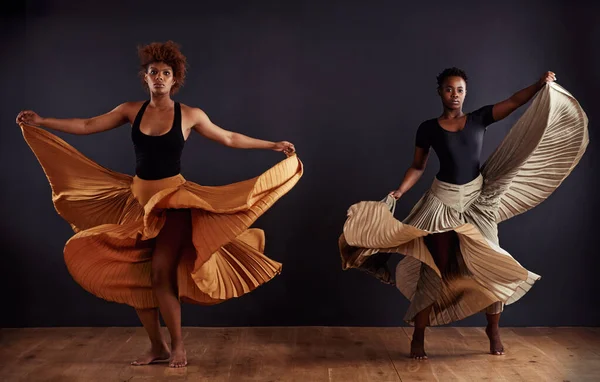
(538,153)
(116,218)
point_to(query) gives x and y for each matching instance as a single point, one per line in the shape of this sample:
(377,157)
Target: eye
(167,73)
(153,72)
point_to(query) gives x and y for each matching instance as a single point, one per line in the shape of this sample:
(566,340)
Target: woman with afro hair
(453,265)
(154,240)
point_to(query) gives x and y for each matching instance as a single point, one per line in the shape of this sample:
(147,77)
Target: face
(159,77)
(453,92)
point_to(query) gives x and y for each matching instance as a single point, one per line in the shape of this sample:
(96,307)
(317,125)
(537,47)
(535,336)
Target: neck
(161,101)
(452,113)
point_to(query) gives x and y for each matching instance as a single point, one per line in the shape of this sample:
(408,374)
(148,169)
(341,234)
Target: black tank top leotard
(458,152)
(159,156)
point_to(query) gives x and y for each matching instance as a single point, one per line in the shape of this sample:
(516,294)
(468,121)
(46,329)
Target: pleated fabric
(538,153)
(116,218)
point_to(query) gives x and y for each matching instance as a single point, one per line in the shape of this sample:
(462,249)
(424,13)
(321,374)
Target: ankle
(419,334)
(158,344)
(492,329)
(177,344)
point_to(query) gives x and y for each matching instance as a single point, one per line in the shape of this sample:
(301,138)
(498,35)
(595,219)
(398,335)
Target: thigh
(441,245)
(170,240)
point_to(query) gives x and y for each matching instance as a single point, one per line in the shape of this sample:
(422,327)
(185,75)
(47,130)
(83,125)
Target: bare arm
(79,126)
(503,109)
(414,172)
(205,127)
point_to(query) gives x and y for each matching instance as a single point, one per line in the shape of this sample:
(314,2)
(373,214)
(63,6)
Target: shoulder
(424,136)
(483,115)
(191,110)
(129,109)
(193,113)
(131,105)
(482,110)
(427,124)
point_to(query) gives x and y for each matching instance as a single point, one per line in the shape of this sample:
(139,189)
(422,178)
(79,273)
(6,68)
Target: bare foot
(179,358)
(417,345)
(154,355)
(417,351)
(493,333)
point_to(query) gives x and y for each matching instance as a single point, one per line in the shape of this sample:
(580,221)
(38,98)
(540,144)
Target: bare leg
(442,247)
(417,345)
(493,332)
(159,351)
(164,278)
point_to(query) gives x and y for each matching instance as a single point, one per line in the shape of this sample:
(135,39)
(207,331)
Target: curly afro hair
(167,52)
(451,72)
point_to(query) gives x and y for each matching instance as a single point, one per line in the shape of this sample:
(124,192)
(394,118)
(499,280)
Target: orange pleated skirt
(117,216)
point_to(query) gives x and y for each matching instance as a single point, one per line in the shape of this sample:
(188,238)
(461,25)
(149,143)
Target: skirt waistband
(143,189)
(457,196)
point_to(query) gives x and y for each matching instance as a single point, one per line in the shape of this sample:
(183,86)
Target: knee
(160,278)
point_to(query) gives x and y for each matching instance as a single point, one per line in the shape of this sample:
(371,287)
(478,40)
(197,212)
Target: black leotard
(459,152)
(158,156)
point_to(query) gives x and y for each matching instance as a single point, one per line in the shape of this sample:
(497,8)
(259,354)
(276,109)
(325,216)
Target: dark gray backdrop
(348,82)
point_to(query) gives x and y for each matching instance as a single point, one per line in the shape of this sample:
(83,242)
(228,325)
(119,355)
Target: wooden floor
(303,354)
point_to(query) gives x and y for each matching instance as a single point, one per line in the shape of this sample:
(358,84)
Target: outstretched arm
(503,109)
(414,172)
(79,126)
(205,127)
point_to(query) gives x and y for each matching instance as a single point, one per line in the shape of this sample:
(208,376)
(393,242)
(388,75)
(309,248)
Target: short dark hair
(168,53)
(451,72)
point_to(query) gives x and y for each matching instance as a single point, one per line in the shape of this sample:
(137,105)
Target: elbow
(418,167)
(83,128)
(229,141)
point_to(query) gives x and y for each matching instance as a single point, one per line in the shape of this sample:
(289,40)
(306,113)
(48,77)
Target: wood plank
(576,350)
(397,344)
(374,358)
(263,354)
(357,354)
(303,354)
(309,355)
